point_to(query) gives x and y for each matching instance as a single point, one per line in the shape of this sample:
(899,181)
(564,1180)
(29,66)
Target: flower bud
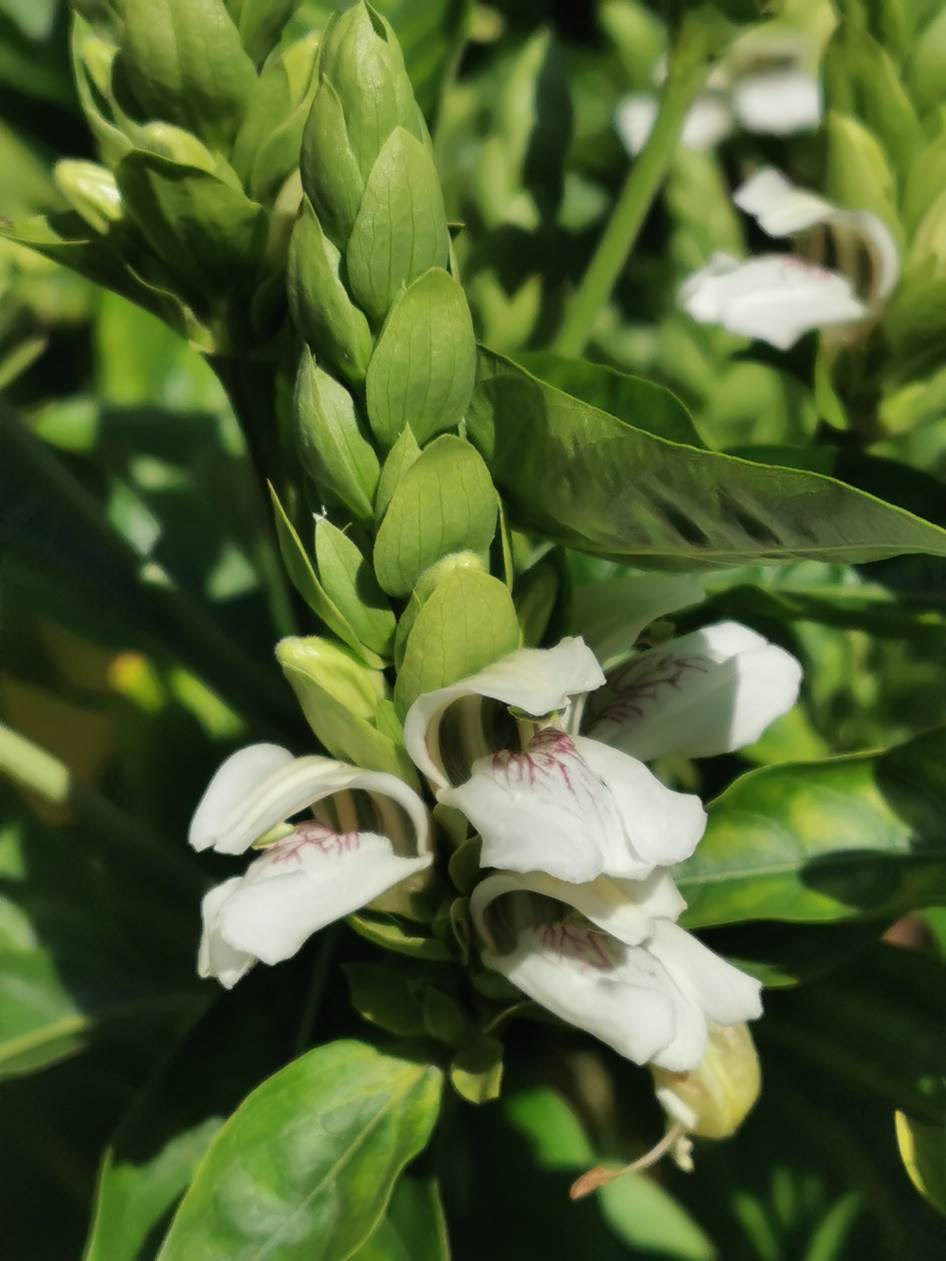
(92,191)
(714,1099)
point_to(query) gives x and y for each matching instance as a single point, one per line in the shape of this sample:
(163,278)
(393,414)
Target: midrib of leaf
(394,1097)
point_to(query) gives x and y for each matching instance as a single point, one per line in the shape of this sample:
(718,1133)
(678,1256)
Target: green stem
(250,387)
(316,987)
(686,75)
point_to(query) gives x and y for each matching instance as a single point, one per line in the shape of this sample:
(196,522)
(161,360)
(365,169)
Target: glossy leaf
(421,373)
(468,622)
(305,1167)
(444,503)
(602,485)
(653,407)
(859,837)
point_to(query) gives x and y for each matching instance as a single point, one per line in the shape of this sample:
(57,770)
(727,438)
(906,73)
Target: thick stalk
(685,77)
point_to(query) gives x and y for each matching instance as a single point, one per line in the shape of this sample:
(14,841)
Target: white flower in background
(765,85)
(555,802)
(367,833)
(780,297)
(609,958)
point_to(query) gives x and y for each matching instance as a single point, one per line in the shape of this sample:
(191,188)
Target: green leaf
(320,304)
(208,233)
(592,481)
(152,1156)
(468,622)
(183,62)
(350,584)
(858,837)
(414,1229)
(476,1072)
(421,373)
(654,408)
(877,1024)
(400,230)
(305,1167)
(304,579)
(386,997)
(444,503)
(923,1149)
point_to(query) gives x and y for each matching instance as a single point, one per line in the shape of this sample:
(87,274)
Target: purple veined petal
(702,694)
(304,882)
(538,681)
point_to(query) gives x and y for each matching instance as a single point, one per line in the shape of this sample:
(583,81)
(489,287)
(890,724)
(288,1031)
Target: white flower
(369,833)
(765,86)
(609,958)
(779,297)
(577,806)
(562,804)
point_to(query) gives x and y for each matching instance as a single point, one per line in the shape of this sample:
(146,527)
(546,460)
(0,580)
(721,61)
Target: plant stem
(251,389)
(316,987)
(685,77)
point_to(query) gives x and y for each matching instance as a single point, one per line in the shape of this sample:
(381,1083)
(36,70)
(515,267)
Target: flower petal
(774,297)
(625,909)
(235,780)
(216,957)
(617,993)
(661,826)
(545,810)
(611,615)
(726,995)
(710,692)
(304,882)
(237,809)
(536,680)
(777,102)
(779,207)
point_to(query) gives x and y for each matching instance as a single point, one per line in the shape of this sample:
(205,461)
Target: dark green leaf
(857,837)
(595,482)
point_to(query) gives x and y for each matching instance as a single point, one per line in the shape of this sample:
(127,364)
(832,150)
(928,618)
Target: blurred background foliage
(139,582)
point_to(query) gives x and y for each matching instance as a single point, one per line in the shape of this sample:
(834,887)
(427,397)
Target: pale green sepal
(422,371)
(350,584)
(92,61)
(402,455)
(859,176)
(330,174)
(260,23)
(334,451)
(468,622)
(387,933)
(183,61)
(444,503)
(304,579)
(340,698)
(400,230)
